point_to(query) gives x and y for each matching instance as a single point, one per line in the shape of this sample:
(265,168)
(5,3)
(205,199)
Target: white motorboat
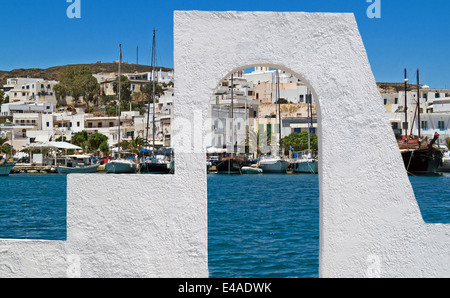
(273,165)
(253,169)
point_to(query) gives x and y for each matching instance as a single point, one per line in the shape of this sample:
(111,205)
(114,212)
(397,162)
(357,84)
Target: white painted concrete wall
(147,225)
(370,223)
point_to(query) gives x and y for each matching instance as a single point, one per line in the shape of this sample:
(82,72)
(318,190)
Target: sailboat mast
(232,112)
(279,110)
(405,124)
(119,93)
(154,86)
(150,95)
(308,99)
(418,105)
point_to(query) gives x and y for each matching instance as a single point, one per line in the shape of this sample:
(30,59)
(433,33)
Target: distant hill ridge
(52,73)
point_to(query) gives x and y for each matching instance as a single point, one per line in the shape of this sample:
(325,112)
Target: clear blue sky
(38,33)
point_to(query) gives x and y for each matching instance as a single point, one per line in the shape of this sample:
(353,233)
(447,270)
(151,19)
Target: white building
(265,81)
(434,112)
(8,109)
(30,89)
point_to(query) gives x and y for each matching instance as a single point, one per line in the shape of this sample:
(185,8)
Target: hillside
(53,72)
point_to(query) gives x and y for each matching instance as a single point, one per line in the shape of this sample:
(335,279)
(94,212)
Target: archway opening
(263,184)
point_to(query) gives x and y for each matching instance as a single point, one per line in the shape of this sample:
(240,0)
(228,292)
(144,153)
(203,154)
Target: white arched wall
(370,222)
(156,225)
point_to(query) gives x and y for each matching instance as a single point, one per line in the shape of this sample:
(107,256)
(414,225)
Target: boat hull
(422,161)
(445,165)
(278,166)
(6,168)
(78,170)
(156,167)
(231,166)
(115,167)
(309,166)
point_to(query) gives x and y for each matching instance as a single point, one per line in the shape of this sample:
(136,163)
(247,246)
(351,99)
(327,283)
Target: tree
(283,101)
(125,92)
(258,141)
(95,140)
(136,144)
(79,81)
(299,141)
(104,148)
(90,88)
(60,94)
(159,91)
(447,142)
(3,141)
(80,139)
(2,94)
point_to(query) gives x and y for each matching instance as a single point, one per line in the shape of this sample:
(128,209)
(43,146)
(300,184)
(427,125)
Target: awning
(64,145)
(42,138)
(216,150)
(58,145)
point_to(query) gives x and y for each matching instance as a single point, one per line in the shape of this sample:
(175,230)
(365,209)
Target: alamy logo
(74,9)
(374,9)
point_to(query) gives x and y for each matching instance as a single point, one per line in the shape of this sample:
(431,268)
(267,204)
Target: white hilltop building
(264,82)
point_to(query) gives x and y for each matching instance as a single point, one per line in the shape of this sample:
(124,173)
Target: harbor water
(258,225)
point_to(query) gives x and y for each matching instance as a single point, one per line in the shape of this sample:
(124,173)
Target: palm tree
(136,144)
(256,140)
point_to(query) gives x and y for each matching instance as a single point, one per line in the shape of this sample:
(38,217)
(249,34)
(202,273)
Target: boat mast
(279,111)
(232,113)
(418,105)
(151,92)
(308,100)
(154,88)
(119,87)
(405,124)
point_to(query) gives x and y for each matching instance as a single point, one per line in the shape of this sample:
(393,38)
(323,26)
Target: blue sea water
(258,225)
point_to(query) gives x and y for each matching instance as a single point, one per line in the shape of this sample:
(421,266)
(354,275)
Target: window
(437,95)
(441,125)
(302,96)
(111,124)
(385,101)
(90,125)
(48,124)
(394,125)
(396,101)
(100,124)
(78,123)
(424,125)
